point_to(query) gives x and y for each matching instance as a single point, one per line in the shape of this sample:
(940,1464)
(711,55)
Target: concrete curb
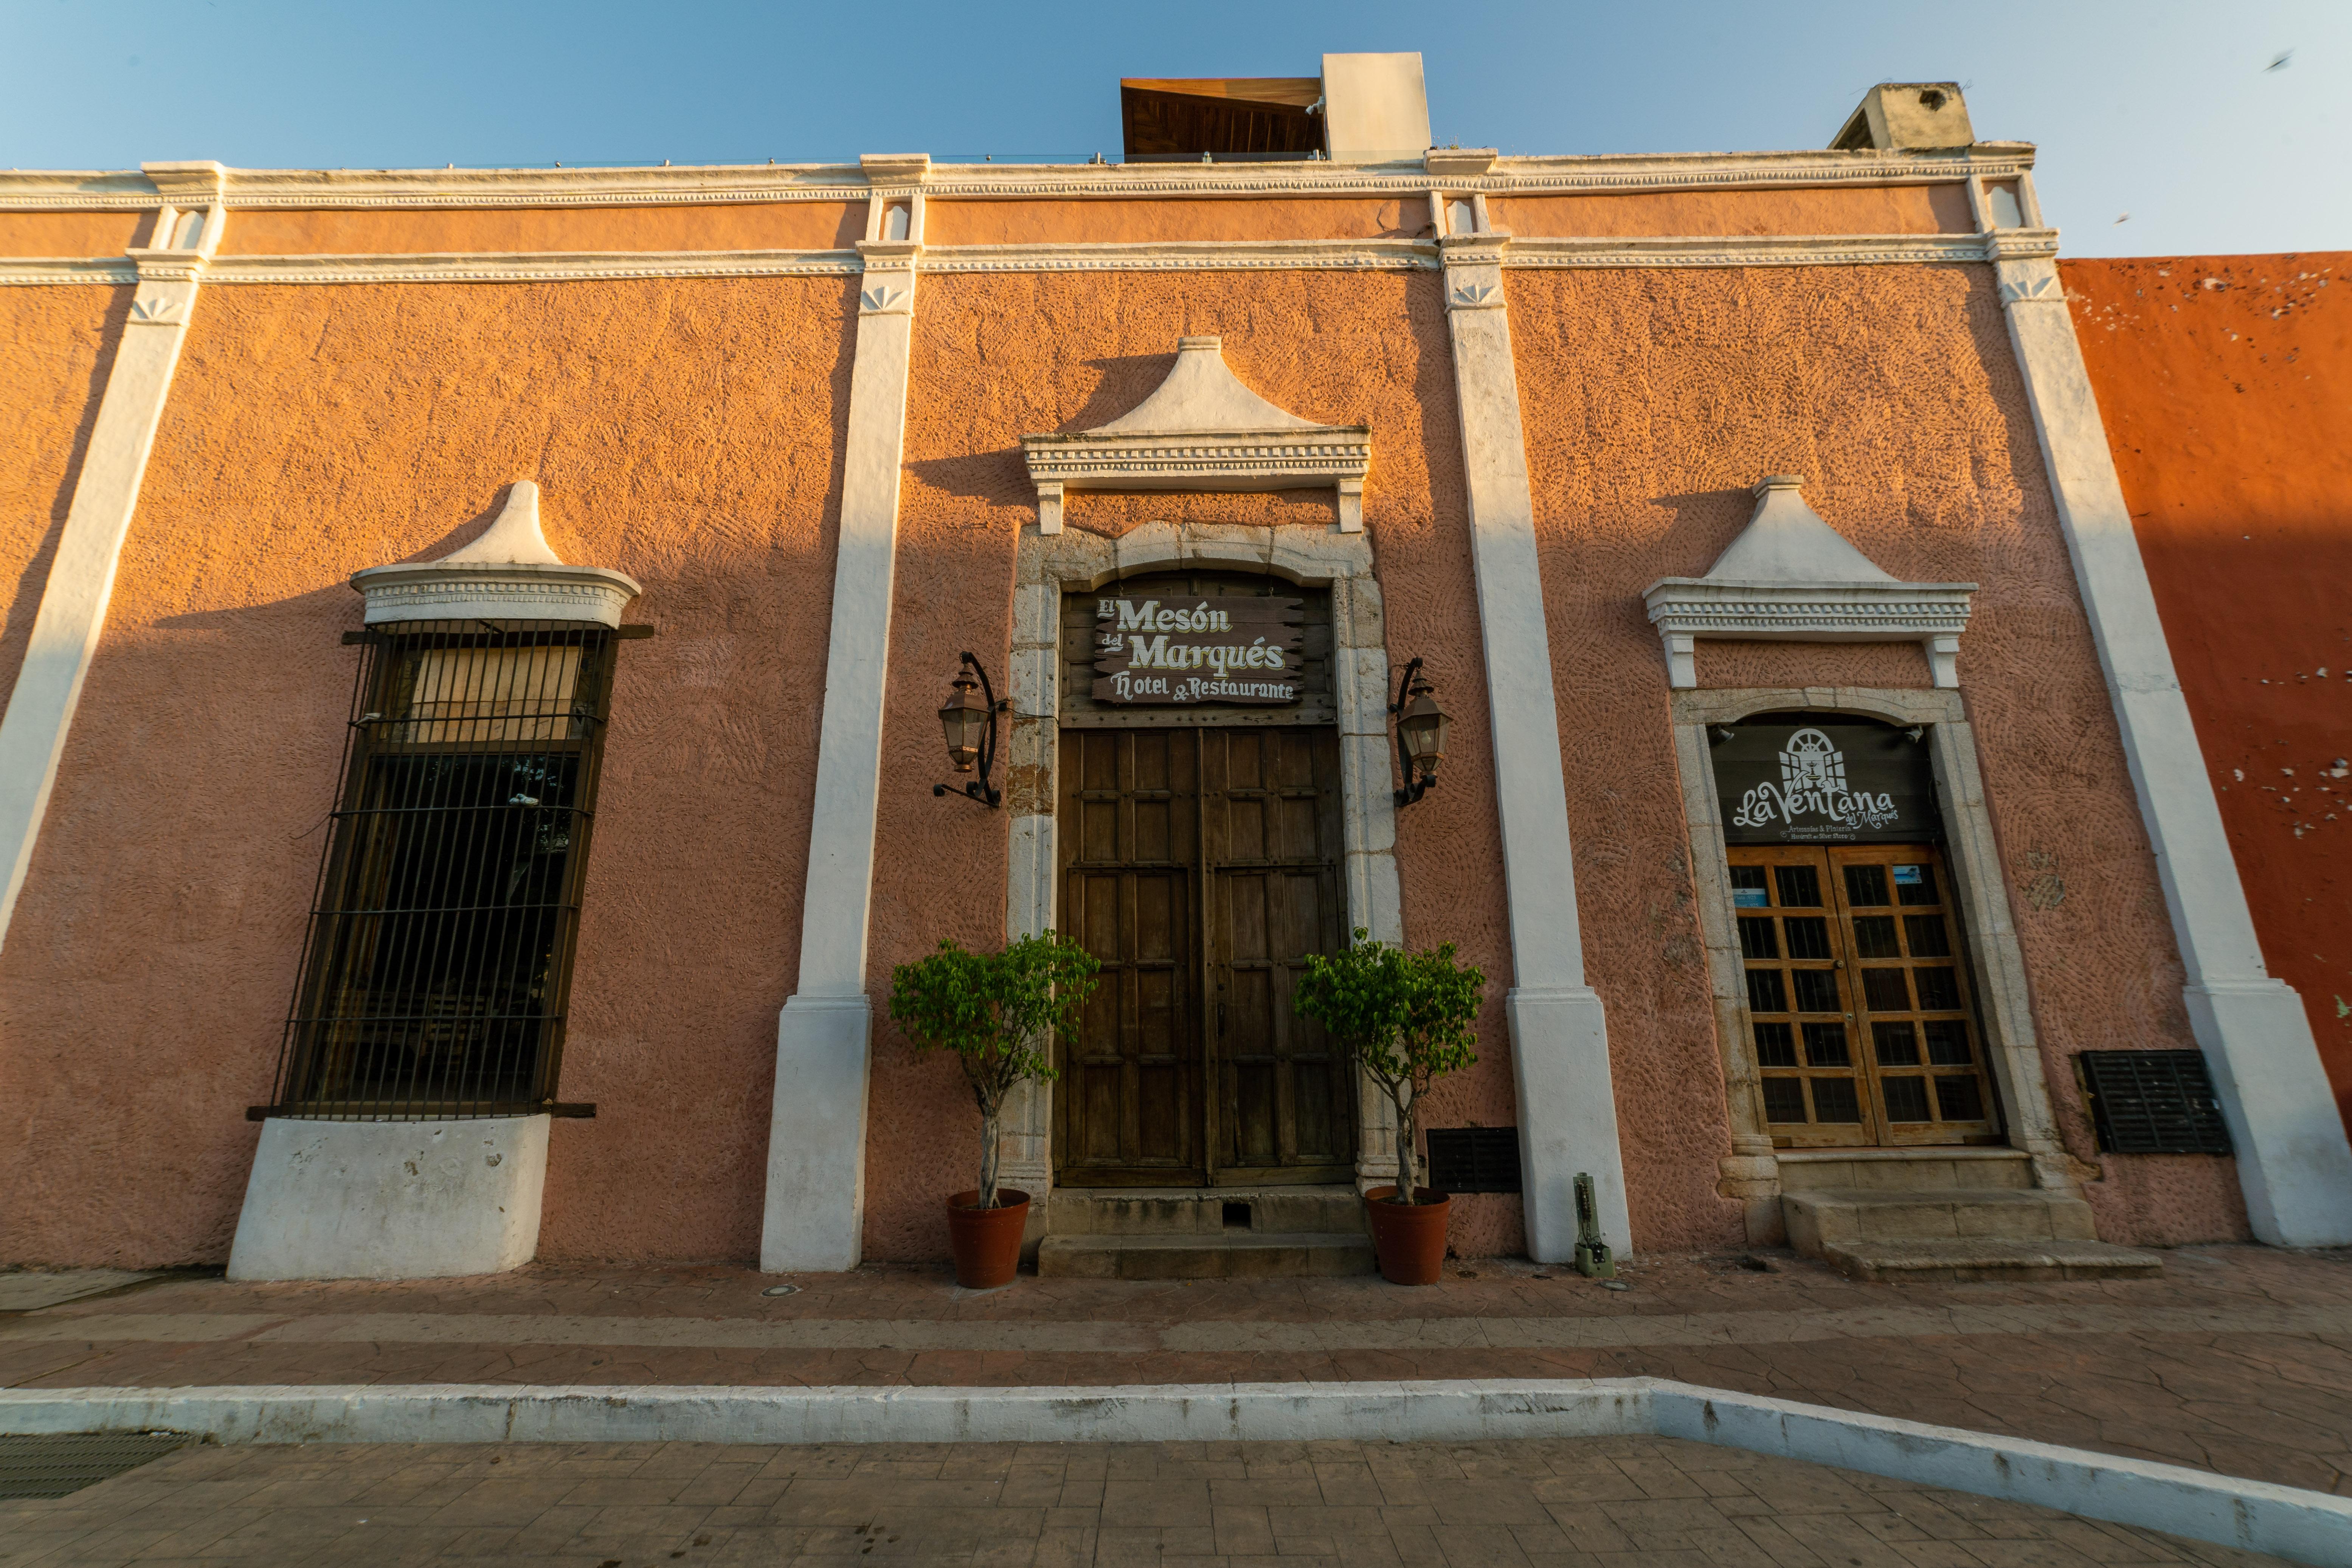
(2254,1516)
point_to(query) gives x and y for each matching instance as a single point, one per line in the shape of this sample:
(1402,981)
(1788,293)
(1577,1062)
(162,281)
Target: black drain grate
(1474,1159)
(2152,1102)
(54,1467)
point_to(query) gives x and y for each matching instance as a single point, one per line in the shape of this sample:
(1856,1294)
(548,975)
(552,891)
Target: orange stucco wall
(55,347)
(2226,386)
(69,234)
(1109,220)
(1338,348)
(1653,401)
(745,225)
(687,433)
(1867,209)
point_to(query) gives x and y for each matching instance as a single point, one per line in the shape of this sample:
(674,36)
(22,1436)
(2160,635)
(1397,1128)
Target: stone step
(1940,1261)
(1840,1216)
(1929,1169)
(1204,1211)
(1228,1254)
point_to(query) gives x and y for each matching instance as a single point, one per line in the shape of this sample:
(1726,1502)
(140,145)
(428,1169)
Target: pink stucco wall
(687,433)
(1333,347)
(1653,400)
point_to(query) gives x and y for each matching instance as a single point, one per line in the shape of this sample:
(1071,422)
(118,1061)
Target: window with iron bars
(438,970)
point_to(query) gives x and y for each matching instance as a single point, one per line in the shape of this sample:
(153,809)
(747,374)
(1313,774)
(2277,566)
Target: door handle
(1221,1020)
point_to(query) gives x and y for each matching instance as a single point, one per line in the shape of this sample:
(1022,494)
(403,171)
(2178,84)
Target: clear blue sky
(2162,109)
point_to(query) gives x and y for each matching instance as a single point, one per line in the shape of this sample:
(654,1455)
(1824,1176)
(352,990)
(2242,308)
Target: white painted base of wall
(2254,1516)
(1568,1118)
(391,1200)
(2293,1163)
(815,1212)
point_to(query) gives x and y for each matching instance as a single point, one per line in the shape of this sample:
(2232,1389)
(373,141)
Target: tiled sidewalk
(2237,1360)
(1581,1503)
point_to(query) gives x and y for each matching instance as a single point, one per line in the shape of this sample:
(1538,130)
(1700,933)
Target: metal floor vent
(54,1467)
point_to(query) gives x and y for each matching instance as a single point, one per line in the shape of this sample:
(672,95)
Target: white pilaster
(81,578)
(1560,1042)
(2294,1161)
(815,1210)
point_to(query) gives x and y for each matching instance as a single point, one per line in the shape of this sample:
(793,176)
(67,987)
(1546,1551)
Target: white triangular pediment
(507,572)
(1202,397)
(1787,541)
(1791,577)
(513,537)
(1202,430)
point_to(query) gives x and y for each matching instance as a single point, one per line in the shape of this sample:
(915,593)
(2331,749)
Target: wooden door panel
(1285,1106)
(1129,1106)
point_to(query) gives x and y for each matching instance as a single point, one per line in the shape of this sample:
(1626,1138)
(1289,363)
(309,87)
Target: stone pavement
(1579,1504)
(2238,1359)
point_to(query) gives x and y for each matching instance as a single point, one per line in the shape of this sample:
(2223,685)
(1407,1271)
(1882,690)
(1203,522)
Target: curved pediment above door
(1203,430)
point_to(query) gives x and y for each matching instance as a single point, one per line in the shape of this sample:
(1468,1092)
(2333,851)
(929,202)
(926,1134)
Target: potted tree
(1407,1018)
(999,1012)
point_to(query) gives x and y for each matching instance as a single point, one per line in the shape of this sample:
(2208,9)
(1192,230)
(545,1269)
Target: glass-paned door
(1858,996)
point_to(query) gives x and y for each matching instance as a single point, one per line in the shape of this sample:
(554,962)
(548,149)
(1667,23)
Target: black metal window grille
(1474,1159)
(2152,1102)
(438,963)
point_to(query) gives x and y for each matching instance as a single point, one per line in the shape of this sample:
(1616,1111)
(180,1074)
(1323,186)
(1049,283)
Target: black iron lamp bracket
(1416,784)
(981,789)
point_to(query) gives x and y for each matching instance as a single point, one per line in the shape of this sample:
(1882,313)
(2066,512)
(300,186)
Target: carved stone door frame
(1996,962)
(1048,566)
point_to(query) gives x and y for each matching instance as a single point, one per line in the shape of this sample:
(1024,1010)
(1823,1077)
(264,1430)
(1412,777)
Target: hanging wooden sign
(1198,647)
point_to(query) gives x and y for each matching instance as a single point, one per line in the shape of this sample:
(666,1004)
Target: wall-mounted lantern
(1422,727)
(969,724)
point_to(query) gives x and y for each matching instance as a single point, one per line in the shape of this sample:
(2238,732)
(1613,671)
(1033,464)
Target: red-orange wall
(2226,384)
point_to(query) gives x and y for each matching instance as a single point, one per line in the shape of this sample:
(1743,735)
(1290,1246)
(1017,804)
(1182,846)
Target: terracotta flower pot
(1409,1239)
(987,1242)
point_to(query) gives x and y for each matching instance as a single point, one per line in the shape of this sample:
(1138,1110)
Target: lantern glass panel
(964,723)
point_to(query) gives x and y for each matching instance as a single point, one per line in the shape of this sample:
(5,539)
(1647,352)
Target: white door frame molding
(1052,563)
(814,1217)
(1559,1038)
(81,584)
(2295,1164)
(1996,960)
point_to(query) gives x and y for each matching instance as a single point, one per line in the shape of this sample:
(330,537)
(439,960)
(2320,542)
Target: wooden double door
(1858,994)
(1202,867)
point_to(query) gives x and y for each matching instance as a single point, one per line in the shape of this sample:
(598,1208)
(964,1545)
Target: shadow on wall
(1127,380)
(24,601)
(999,477)
(1704,523)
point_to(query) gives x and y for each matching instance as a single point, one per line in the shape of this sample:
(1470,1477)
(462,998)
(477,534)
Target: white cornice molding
(1276,255)
(551,267)
(41,269)
(1202,429)
(68,190)
(508,574)
(1777,250)
(1161,255)
(1789,577)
